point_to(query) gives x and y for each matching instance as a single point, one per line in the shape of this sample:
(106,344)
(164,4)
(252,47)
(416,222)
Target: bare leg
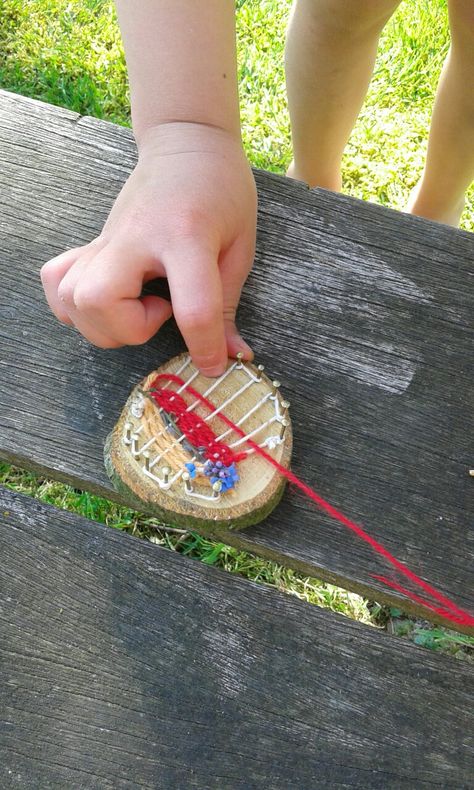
(330,54)
(449,167)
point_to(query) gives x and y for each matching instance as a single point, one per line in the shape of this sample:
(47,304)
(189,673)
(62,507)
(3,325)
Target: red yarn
(194,428)
(464,618)
(449,610)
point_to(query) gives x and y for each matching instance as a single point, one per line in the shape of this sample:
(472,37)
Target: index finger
(196,296)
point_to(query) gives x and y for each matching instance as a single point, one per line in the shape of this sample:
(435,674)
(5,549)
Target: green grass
(69,53)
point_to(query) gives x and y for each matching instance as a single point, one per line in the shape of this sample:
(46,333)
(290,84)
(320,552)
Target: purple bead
(222,473)
(219,464)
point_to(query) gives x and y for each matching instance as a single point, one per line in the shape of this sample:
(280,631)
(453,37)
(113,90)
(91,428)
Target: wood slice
(152,457)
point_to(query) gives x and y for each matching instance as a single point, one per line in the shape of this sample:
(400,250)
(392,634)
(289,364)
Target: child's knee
(335,19)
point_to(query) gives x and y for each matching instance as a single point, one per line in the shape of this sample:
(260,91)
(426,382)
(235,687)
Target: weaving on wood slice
(185,445)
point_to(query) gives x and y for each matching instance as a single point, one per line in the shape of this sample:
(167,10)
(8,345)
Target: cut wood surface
(141,447)
(124,665)
(364,314)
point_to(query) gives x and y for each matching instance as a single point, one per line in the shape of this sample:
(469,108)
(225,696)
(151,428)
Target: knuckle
(45,269)
(198,319)
(48,269)
(189,220)
(191,224)
(229,314)
(91,298)
(66,294)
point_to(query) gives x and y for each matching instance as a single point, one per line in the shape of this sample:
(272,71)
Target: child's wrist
(176,136)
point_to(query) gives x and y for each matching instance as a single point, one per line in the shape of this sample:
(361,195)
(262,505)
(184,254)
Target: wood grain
(364,314)
(124,665)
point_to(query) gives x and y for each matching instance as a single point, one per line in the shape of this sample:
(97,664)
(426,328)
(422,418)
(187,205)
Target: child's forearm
(181,62)
(188,209)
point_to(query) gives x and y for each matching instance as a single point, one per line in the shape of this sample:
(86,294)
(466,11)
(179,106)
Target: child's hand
(188,213)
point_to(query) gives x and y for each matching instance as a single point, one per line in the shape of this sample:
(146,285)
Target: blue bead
(191,469)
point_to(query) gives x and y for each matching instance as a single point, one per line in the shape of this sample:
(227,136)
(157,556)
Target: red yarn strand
(463,619)
(194,428)
(449,610)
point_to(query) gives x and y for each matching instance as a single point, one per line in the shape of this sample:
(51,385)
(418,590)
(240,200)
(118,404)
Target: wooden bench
(124,665)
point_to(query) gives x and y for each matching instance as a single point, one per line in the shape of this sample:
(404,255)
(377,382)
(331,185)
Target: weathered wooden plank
(365,314)
(125,665)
